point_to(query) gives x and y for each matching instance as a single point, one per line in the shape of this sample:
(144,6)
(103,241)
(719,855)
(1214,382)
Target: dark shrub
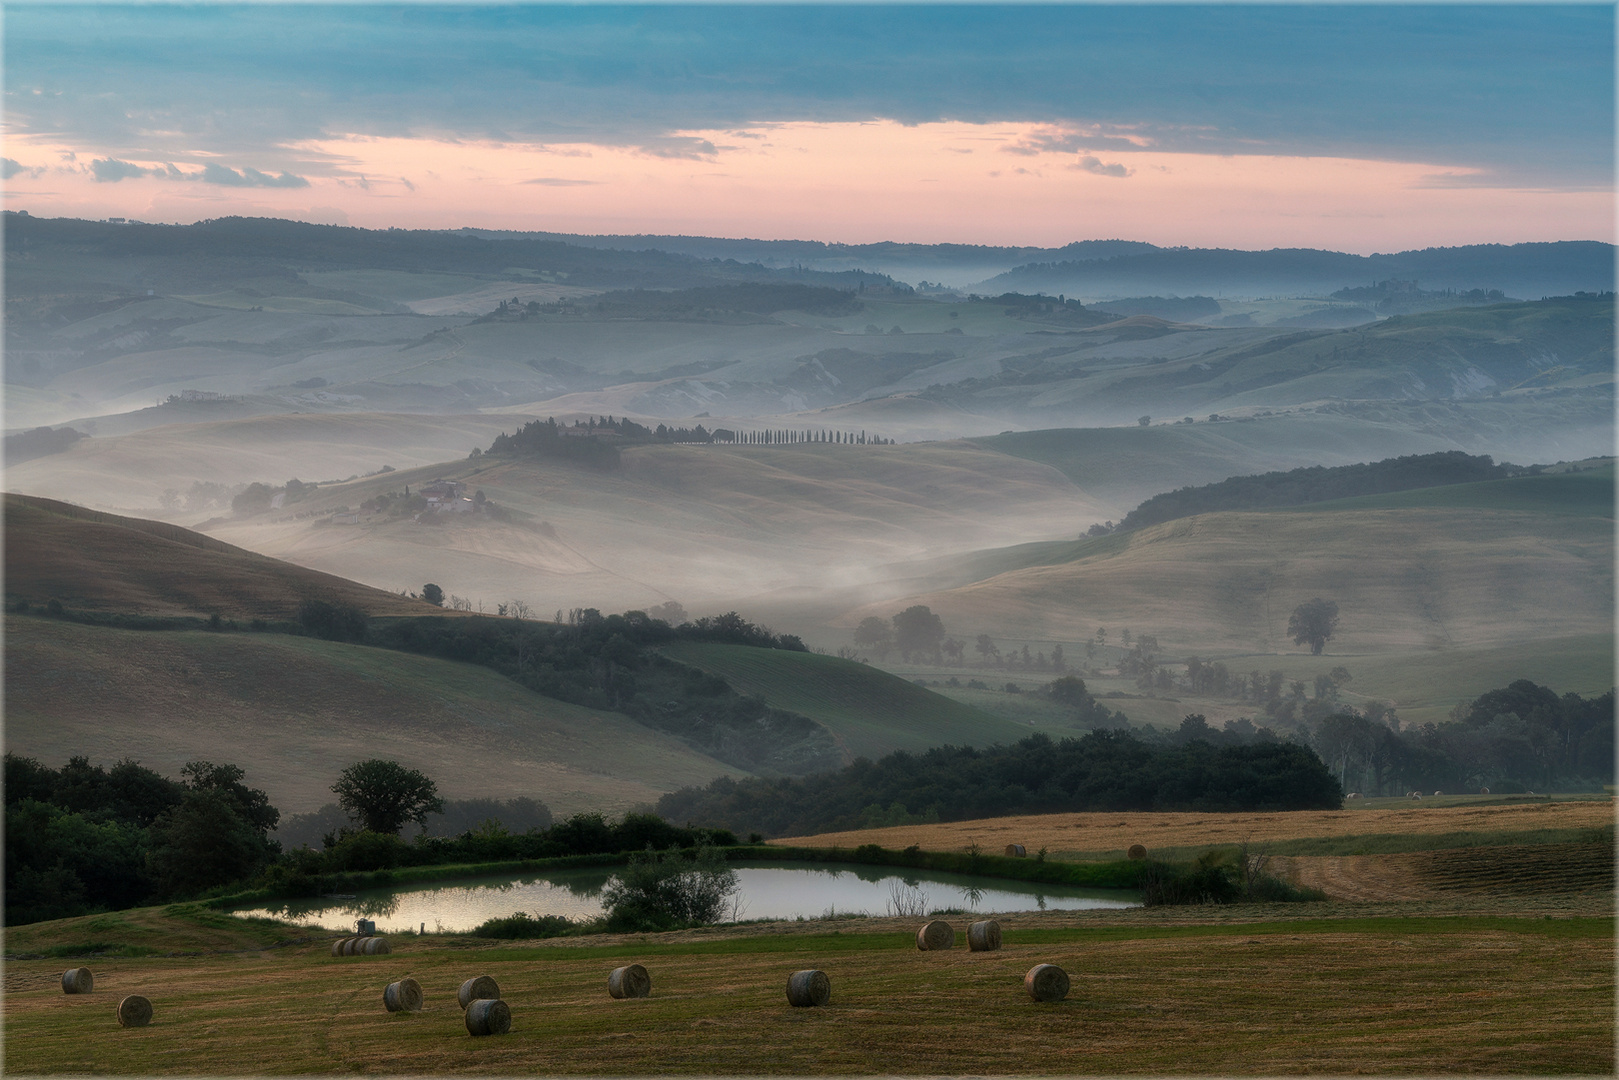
(520,924)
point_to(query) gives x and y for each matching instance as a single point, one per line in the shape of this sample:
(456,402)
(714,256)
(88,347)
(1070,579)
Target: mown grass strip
(854,940)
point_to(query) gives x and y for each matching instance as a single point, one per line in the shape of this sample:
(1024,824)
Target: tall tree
(918,630)
(1313,623)
(383,795)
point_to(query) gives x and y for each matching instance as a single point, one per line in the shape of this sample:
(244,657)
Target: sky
(1359,128)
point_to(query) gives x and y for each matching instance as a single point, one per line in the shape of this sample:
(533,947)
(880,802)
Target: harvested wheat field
(1101,834)
(1274,994)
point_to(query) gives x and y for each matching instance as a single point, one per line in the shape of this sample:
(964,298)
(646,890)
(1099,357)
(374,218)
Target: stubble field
(1394,996)
(1110,834)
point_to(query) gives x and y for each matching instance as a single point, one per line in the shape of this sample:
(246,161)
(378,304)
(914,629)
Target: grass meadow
(1397,996)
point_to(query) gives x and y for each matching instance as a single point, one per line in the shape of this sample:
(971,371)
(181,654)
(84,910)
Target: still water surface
(769,891)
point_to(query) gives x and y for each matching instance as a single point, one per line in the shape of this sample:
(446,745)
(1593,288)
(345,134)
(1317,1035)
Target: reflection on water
(769,891)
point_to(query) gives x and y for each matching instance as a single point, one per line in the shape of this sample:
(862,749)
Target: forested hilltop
(1296,487)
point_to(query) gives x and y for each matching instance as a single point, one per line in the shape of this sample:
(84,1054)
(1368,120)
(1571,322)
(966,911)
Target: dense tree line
(1297,487)
(352,850)
(518,815)
(595,440)
(1105,770)
(41,441)
(611,662)
(1520,737)
(550,440)
(84,838)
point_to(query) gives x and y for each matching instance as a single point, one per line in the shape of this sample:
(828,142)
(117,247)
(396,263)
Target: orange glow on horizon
(855,183)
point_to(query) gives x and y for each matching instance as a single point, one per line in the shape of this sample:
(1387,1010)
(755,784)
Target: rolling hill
(870,712)
(294,712)
(1468,566)
(280,316)
(1126,465)
(94,561)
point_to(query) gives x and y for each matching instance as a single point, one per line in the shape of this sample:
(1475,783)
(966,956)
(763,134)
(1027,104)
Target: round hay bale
(134,1011)
(629,982)
(403,996)
(1016,851)
(375,946)
(480,988)
(1046,982)
(984,936)
(1483,791)
(1416,795)
(355,946)
(77,981)
(1439,793)
(488,1016)
(337,946)
(808,988)
(935,935)
(1137,851)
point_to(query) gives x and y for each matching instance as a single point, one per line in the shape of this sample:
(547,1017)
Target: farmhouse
(448,497)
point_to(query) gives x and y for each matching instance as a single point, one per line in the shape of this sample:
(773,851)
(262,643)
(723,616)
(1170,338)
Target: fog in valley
(818,436)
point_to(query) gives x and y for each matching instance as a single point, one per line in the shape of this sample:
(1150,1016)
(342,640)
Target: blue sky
(1503,96)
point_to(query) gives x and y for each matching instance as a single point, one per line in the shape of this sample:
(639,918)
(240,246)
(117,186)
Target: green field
(870,712)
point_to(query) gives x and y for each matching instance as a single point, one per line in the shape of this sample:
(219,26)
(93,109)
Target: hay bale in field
(1046,982)
(984,936)
(134,1011)
(482,987)
(629,982)
(403,996)
(1136,851)
(935,935)
(1416,796)
(339,944)
(77,981)
(375,946)
(806,989)
(1439,793)
(1483,791)
(488,1016)
(1016,851)
(1352,795)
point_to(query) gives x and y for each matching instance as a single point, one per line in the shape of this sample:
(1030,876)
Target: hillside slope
(293,712)
(97,561)
(1473,565)
(869,711)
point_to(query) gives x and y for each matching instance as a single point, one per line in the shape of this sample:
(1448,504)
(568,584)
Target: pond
(769,891)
